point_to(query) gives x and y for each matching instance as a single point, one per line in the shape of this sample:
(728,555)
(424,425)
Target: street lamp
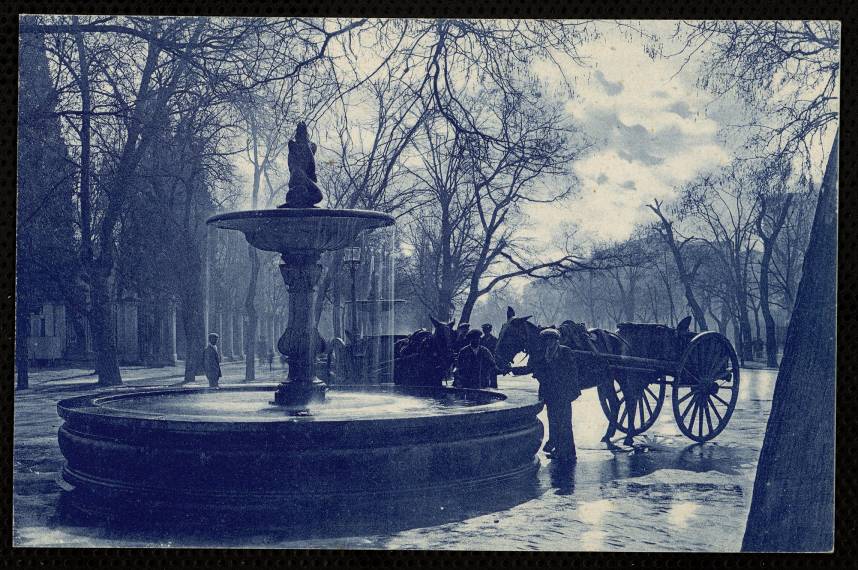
(351,257)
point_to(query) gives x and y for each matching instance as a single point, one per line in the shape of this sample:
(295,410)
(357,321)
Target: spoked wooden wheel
(631,401)
(706,386)
(636,399)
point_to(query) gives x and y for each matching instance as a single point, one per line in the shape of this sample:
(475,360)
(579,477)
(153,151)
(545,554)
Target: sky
(651,130)
(651,127)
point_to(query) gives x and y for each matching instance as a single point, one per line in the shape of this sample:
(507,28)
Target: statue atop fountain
(304,192)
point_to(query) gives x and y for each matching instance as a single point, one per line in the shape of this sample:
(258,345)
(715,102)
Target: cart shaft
(634,363)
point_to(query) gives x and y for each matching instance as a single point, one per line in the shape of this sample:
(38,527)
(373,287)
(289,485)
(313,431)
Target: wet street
(663,494)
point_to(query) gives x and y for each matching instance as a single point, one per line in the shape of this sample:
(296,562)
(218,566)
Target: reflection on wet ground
(663,493)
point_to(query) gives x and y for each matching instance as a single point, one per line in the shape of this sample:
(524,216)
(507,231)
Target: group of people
(475,368)
(475,362)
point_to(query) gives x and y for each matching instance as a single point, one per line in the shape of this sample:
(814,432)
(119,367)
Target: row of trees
(150,120)
(727,251)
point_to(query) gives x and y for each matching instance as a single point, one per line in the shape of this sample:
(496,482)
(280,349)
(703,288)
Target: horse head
(517,335)
(443,337)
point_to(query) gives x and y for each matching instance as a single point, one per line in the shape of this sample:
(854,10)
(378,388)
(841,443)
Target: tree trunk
(744,340)
(467,309)
(192,309)
(22,341)
(684,276)
(771,331)
(252,318)
(765,265)
(737,338)
(102,321)
(336,312)
(793,502)
(757,329)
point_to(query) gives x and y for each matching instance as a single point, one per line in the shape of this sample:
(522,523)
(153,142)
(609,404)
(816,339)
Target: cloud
(652,133)
(680,108)
(611,88)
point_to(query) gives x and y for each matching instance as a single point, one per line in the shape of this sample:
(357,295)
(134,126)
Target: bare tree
(723,209)
(466,236)
(665,229)
(45,253)
(790,72)
(774,204)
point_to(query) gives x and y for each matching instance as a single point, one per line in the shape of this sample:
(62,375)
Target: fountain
(215,453)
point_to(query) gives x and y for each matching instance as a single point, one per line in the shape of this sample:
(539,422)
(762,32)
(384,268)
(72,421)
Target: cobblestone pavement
(664,493)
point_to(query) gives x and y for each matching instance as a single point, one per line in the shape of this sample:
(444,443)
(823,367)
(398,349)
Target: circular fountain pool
(212,454)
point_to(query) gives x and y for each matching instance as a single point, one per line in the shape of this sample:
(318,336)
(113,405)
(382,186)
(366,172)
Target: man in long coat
(556,369)
(211,361)
(475,365)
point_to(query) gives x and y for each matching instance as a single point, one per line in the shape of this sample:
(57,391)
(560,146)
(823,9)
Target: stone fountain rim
(303,213)
(86,408)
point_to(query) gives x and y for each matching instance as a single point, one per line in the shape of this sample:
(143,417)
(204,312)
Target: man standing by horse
(475,365)
(556,369)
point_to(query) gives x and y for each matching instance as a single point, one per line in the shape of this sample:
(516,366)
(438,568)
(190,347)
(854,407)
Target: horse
(519,335)
(424,358)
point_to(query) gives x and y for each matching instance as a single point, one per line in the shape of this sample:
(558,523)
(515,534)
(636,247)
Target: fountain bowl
(204,455)
(295,230)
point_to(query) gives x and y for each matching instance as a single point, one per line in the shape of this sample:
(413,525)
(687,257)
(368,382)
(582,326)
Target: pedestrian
(270,359)
(461,340)
(475,365)
(211,361)
(556,370)
(490,341)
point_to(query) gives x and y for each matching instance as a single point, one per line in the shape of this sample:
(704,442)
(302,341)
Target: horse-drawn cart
(634,367)
(702,371)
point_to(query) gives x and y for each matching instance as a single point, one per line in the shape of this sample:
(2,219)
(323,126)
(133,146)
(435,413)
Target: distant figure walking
(475,365)
(557,372)
(211,361)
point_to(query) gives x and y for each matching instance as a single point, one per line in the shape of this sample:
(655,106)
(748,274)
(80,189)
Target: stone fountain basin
(295,230)
(199,453)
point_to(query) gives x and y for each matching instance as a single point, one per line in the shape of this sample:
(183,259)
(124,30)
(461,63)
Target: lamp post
(351,257)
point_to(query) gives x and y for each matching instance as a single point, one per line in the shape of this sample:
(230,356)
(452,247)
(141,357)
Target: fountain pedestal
(300,341)
(300,236)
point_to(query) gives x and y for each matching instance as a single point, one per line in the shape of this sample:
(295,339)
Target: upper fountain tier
(297,230)
(297,227)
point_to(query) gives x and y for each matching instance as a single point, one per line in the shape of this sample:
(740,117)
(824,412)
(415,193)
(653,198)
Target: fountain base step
(152,456)
(300,395)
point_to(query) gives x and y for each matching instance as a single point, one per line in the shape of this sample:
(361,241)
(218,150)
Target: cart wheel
(632,404)
(706,386)
(631,401)
(336,365)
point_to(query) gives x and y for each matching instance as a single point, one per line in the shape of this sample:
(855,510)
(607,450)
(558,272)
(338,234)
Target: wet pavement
(663,494)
